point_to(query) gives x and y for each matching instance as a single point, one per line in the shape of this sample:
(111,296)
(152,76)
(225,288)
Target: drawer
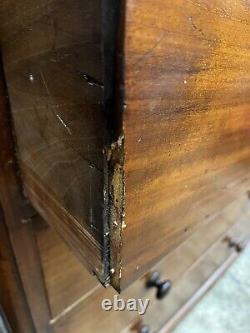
(192,268)
(131,121)
(67,282)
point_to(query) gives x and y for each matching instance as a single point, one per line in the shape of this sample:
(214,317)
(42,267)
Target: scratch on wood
(92,81)
(51,101)
(195,26)
(64,124)
(146,54)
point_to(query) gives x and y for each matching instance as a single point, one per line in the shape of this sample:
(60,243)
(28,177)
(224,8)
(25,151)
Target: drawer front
(192,268)
(67,282)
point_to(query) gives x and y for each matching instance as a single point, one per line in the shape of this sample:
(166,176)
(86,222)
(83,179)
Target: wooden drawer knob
(163,287)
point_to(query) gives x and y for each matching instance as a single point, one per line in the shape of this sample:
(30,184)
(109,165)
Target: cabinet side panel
(52,54)
(186,122)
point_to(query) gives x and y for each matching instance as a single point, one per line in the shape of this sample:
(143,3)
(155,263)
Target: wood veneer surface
(185,119)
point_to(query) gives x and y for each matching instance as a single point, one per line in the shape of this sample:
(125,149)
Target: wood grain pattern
(52,53)
(19,246)
(67,281)
(12,296)
(188,267)
(127,156)
(71,303)
(185,120)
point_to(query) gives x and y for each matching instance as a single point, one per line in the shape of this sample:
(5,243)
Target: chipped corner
(116,207)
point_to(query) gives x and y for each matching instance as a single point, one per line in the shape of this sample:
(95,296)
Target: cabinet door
(131,121)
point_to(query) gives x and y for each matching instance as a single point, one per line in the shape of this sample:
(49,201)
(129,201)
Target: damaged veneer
(115,96)
(116,208)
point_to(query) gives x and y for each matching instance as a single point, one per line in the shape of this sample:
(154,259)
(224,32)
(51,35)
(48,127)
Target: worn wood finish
(185,120)
(179,305)
(69,297)
(52,53)
(227,204)
(17,215)
(201,256)
(28,260)
(210,265)
(127,156)
(195,298)
(67,281)
(12,296)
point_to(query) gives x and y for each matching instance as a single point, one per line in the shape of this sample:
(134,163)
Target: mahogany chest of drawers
(125,132)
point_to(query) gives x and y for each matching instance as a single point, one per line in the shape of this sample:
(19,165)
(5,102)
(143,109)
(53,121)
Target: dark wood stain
(52,54)
(12,295)
(66,279)
(131,121)
(22,276)
(200,257)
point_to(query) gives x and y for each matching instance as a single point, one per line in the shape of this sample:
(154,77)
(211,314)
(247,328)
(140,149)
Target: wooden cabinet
(49,53)
(131,127)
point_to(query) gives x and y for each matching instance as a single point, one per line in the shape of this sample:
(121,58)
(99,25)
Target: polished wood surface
(21,275)
(132,130)
(73,300)
(12,296)
(131,121)
(185,119)
(189,266)
(67,281)
(52,54)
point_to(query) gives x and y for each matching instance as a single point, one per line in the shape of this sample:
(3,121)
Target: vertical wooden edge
(18,215)
(114,151)
(12,295)
(116,212)
(29,263)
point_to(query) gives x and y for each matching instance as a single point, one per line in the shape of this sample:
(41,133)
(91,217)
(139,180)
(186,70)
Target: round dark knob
(144,329)
(163,287)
